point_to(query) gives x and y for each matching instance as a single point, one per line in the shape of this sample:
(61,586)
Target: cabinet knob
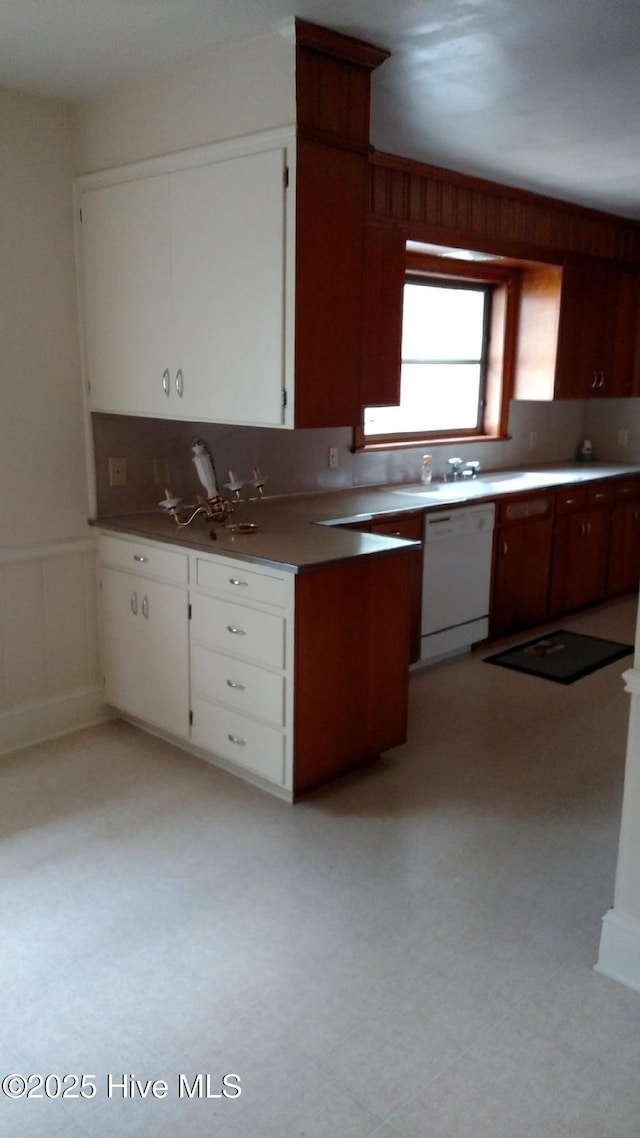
(140,558)
(166,382)
(236,631)
(179,383)
(238,740)
(236,685)
(134,604)
(145,607)
(238,583)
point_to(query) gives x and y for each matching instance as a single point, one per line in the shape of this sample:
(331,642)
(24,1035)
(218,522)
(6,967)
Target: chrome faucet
(455,469)
(470,469)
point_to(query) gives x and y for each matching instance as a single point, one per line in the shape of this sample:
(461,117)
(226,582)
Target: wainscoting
(49,673)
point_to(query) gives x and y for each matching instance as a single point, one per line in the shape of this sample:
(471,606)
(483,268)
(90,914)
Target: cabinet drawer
(139,557)
(573,498)
(244,585)
(246,688)
(625,489)
(517,509)
(238,630)
(252,746)
(410,528)
(600,494)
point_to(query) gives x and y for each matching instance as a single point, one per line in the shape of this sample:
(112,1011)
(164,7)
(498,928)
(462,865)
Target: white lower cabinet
(241,666)
(191,661)
(145,648)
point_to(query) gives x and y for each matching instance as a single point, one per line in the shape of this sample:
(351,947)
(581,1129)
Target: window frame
(504,280)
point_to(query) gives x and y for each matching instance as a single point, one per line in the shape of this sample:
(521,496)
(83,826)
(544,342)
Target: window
(444,353)
(459,338)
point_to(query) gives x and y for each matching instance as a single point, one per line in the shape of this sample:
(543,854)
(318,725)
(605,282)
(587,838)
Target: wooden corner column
(332,96)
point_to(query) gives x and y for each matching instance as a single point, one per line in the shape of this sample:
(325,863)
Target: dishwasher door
(456,581)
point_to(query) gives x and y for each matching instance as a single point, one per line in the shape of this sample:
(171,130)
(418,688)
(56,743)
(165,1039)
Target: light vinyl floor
(407,953)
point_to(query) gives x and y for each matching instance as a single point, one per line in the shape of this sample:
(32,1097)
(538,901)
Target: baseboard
(620,949)
(45,719)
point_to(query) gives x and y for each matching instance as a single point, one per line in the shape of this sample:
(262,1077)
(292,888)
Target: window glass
(443,361)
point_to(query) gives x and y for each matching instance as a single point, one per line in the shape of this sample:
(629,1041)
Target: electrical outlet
(623,437)
(117,472)
(333,458)
(161,472)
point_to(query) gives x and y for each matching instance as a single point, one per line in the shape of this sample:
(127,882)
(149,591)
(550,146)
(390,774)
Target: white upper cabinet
(126,263)
(184,290)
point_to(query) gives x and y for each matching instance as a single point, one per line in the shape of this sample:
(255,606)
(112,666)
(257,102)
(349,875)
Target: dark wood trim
(347,48)
(446,207)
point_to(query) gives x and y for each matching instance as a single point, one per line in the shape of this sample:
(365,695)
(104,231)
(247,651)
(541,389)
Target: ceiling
(541,94)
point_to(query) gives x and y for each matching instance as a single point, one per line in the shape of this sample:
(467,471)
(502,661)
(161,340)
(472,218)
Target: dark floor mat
(561,656)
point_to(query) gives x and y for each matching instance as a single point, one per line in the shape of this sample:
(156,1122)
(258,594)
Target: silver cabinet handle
(594,379)
(140,558)
(240,584)
(236,631)
(145,607)
(236,685)
(179,383)
(166,382)
(238,740)
(134,604)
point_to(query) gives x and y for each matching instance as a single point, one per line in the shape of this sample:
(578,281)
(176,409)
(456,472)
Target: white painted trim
(186,159)
(632,681)
(38,552)
(619,957)
(48,718)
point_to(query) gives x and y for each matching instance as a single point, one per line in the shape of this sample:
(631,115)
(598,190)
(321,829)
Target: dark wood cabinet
(522,563)
(381,349)
(580,547)
(624,546)
(412,529)
(596,330)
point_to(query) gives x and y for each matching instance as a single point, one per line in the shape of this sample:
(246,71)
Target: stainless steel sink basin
(486,485)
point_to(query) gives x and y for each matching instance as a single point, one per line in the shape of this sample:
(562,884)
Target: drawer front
(601,494)
(256,748)
(573,498)
(240,583)
(242,686)
(626,488)
(518,509)
(239,631)
(139,557)
(410,528)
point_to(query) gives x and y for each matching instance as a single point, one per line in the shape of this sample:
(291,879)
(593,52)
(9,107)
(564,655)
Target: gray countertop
(288,539)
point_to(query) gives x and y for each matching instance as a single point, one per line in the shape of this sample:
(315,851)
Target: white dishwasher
(456,579)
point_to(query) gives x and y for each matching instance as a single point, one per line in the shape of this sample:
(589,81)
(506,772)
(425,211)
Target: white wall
(242,88)
(42,462)
(48,670)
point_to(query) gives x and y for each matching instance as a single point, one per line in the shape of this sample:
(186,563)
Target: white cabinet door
(145,649)
(184,292)
(127,296)
(227,257)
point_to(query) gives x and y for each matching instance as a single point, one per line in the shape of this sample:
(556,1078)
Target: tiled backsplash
(296,462)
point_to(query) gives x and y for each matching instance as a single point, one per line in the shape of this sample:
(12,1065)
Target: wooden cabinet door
(596,331)
(127,296)
(580,560)
(384,273)
(228,264)
(145,649)
(522,566)
(624,550)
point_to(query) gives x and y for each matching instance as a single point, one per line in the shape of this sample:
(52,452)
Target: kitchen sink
(485,485)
